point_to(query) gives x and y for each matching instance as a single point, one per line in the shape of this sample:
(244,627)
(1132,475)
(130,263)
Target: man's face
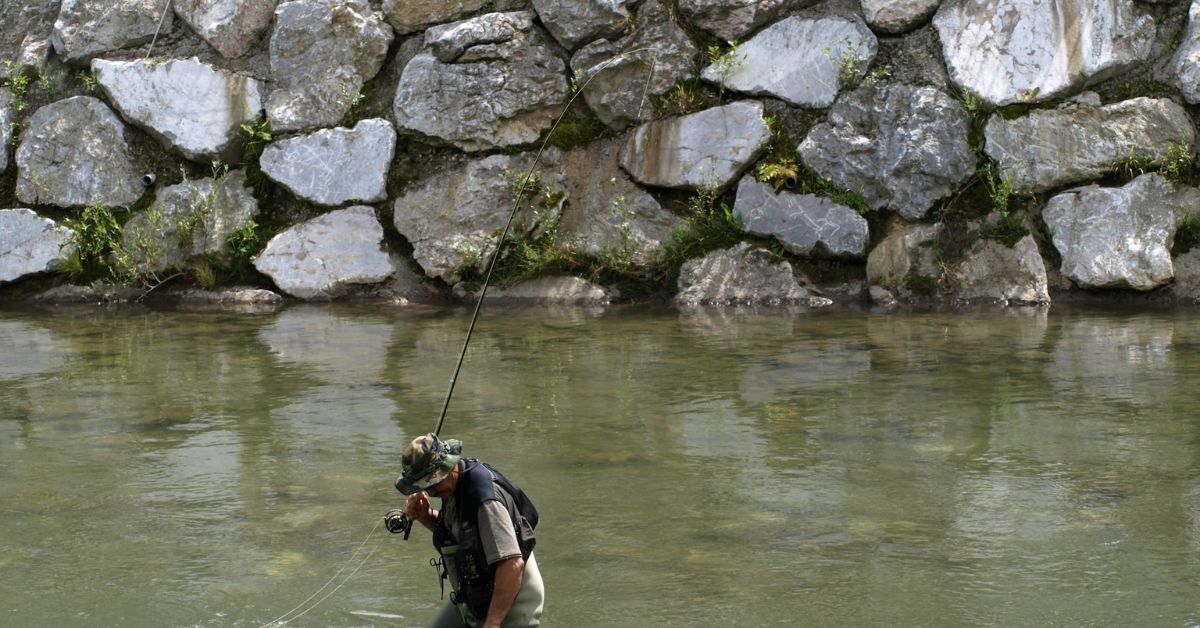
(445,488)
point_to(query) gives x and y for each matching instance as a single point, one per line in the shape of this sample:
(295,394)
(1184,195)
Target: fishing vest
(478,483)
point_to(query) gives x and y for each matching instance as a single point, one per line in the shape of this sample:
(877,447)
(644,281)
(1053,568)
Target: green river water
(693,468)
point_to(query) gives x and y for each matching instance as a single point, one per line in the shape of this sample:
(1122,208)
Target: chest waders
(476,579)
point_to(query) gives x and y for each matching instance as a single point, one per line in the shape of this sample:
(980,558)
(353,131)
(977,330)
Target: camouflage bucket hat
(427,461)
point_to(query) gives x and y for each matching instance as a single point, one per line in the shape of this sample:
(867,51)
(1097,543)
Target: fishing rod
(395,520)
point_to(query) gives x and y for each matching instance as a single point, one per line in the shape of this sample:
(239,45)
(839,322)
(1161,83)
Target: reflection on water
(721,466)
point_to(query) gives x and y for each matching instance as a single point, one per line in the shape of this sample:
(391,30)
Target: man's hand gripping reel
(396,522)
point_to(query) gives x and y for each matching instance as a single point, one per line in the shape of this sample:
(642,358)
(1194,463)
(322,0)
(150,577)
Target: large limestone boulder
(189,220)
(1186,62)
(411,16)
(1008,51)
(322,52)
(741,275)
(454,218)
(577,22)
(73,152)
(190,106)
(619,78)
(903,262)
(805,224)
(8,119)
(991,271)
(321,258)
(898,16)
(87,28)
(707,149)
(232,27)
(333,166)
(1049,148)
(30,244)
(902,147)
(25,36)
(1119,237)
(799,60)
(605,211)
(483,83)
(731,20)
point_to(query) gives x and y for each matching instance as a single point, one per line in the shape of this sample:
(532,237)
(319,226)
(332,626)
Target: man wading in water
(484,534)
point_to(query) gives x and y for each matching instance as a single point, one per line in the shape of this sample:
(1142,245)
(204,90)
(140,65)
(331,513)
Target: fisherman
(484,535)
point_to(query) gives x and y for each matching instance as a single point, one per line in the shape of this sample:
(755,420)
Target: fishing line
(517,205)
(284,618)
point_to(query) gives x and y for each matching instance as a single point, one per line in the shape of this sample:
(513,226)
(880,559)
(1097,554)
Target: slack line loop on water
(517,205)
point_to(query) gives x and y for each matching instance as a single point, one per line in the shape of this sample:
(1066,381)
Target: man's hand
(417,508)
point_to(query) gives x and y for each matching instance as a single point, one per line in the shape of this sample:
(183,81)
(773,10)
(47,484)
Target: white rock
(708,149)
(189,105)
(1008,51)
(334,166)
(30,244)
(8,121)
(805,224)
(741,275)
(798,60)
(1186,62)
(317,259)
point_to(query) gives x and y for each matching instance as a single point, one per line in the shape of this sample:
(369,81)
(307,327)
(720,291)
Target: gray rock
(1186,287)
(189,106)
(991,271)
(333,166)
(1008,51)
(733,19)
(801,61)
(902,147)
(483,83)
(232,27)
(25,36)
(1186,62)
(92,293)
(620,78)
(707,149)
(805,224)
(898,16)
(606,212)
(30,244)
(553,290)
(8,122)
(190,220)
(1049,148)
(318,259)
(577,22)
(881,296)
(410,16)
(1119,237)
(73,152)
(741,275)
(904,259)
(322,52)
(87,28)
(453,218)
(229,296)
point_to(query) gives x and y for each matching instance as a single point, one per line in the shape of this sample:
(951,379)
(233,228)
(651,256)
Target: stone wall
(775,151)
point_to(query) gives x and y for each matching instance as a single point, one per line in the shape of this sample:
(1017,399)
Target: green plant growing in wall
(724,62)
(89,80)
(17,80)
(1187,237)
(97,235)
(848,62)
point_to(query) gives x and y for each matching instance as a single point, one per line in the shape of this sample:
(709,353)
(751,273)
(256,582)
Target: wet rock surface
(742,275)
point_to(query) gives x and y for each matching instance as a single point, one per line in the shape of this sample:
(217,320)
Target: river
(1026,467)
